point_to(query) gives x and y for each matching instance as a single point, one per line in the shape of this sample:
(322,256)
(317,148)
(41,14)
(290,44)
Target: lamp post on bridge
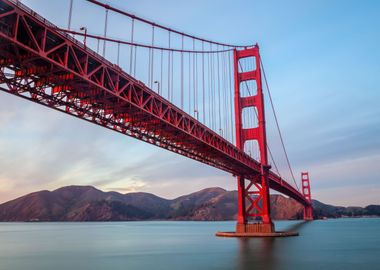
(83,28)
(158,86)
(196,114)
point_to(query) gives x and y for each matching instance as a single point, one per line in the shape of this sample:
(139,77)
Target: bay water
(322,244)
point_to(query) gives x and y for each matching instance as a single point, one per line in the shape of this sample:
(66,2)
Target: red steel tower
(254,217)
(308,210)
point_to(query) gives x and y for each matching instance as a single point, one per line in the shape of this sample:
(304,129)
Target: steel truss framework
(256,192)
(40,63)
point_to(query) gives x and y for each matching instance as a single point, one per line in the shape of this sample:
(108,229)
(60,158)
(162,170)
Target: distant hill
(330,211)
(86,203)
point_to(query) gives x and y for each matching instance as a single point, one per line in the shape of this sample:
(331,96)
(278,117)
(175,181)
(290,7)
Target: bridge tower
(254,190)
(308,210)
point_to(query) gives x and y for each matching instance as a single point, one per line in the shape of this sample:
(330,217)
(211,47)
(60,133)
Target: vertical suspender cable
(269,151)
(212,90)
(203,85)
(131,47)
(172,76)
(135,62)
(182,83)
(209,87)
(219,94)
(196,86)
(105,33)
(150,61)
(231,97)
(169,68)
(161,71)
(118,53)
(152,64)
(149,68)
(189,84)
(225,117)
(152,73)
(278,126)
(194,94)
(70,14)
(222,88)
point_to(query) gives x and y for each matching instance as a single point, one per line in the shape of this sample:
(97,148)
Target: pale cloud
(356,172)
(127,185)
(361,195)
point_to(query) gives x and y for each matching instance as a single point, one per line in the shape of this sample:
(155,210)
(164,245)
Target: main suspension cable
(278,126)
(87,35)
(270,152)
(122,12)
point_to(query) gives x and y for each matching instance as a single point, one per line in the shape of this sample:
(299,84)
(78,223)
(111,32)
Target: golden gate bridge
(195,97)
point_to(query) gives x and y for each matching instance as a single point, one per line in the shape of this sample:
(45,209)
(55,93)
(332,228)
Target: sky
(322,63)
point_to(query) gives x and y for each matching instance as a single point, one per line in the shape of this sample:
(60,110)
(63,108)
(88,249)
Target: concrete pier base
(256,230)
(257,234)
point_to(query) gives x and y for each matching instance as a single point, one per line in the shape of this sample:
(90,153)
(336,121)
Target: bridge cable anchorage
(277,125)
(122,12)
(270,152)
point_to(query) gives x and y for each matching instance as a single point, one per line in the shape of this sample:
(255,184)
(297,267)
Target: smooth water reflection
(331,244)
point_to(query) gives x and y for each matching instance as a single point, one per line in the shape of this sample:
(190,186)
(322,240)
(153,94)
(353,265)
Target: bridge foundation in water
(254,219)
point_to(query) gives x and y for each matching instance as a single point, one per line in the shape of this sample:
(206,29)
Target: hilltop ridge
(86,203)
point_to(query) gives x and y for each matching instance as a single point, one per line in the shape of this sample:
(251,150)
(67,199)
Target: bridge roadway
(40,63)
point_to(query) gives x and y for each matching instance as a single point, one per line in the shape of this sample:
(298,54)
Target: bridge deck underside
(46,66)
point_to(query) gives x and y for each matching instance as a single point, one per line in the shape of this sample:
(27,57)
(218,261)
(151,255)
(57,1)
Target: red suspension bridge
(195,97)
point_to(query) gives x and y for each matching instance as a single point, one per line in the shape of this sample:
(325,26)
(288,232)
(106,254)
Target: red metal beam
(35,54)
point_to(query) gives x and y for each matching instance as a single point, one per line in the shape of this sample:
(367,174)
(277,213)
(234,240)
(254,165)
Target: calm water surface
(331,244)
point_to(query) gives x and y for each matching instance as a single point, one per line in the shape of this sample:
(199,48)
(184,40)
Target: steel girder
(42,64)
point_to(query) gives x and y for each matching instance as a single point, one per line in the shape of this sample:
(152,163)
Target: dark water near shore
(331,244)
